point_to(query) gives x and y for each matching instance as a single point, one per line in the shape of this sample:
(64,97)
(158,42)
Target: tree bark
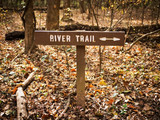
(89,2)
(82,7)
(158,13)
(1,4)
(112,16)
(143,11)
(89,10)
(52,22)
(29,26)
(66,3)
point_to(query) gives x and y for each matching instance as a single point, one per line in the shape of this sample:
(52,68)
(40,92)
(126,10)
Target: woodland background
(121,82)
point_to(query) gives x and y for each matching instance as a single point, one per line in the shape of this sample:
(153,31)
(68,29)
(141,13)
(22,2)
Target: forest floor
(128,87)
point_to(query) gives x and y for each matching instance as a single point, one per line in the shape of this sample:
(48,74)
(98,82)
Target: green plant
(124,109)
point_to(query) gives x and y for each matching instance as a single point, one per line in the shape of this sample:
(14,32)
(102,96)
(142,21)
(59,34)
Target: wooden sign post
(80,39)
(80,83)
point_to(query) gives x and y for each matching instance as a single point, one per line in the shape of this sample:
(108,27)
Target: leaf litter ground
(128,87)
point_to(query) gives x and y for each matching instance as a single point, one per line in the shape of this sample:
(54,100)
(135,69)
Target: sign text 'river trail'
(79,38)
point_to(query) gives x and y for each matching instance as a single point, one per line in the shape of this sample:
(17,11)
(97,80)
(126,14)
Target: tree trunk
(112,16)
(67,3)
(143,8)
(52,22)
(91,7)
(89,10)
(1,4)
(5,3)
(152,15)
(158,13)
(42,3)
(82,7)
(29,26)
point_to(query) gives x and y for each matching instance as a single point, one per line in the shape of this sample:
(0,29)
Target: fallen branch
(21,100)
(59,117)
(21,105)
(28,80)
(151,33)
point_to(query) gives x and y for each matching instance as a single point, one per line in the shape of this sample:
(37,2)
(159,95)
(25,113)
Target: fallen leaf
(28,61)
(102,82)
(30,68)
(73,70)
(140,92)
(158,45)
(99,91)
(45,116)
(131,106)
(115,117)
(110,101)
(40,77)
(51,86)
(15,88)
(90,85)
(146,107)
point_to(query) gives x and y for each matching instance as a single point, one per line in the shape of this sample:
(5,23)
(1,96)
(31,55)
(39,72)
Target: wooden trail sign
(80,39)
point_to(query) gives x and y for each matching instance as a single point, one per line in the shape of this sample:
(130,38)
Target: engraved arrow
(105,39)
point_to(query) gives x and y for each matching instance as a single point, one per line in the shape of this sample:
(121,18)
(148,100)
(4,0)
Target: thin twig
(68,66)
(17,56)
(121,19)
(68,103)
(55,112)
(11,65)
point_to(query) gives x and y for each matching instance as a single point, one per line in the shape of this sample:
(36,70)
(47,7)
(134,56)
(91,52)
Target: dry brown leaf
(146,107)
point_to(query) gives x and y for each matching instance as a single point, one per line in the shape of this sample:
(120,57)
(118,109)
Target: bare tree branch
(151,33)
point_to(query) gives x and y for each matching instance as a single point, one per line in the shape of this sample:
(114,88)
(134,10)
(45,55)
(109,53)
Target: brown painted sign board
(80,39)
(110,38)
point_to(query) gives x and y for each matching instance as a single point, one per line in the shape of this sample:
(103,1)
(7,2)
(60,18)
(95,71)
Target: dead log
(16,35)
(21,105)
(21,100)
